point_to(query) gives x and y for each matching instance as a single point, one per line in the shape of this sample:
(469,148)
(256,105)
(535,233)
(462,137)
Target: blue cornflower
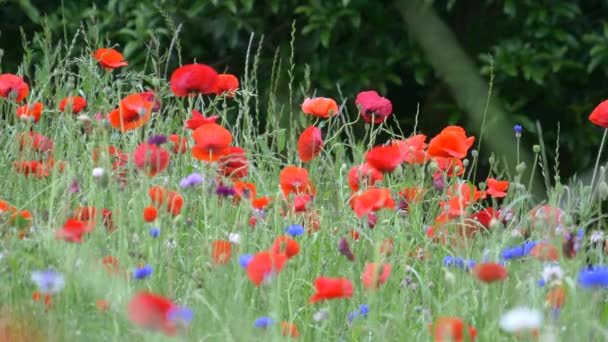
(517,129)
(144,272)
(245,259)
(48,281)
(295,230)
(471,263)
(191,180)
(541,282)
(593,277)
(450,261)
(154,232)
(363,310)
(263,322)
(519,251)
(181,314)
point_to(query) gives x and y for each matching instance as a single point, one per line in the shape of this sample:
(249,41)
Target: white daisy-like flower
(234,238)
(596,236)
(552,273)
(98,172)
(320,315)
(521,319)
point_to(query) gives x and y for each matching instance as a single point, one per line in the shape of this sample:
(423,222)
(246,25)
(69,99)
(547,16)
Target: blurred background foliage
(549,57)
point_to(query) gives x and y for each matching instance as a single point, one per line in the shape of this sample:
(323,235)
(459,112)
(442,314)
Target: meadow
(151,203)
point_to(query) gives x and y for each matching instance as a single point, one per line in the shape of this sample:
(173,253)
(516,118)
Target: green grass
(224,301)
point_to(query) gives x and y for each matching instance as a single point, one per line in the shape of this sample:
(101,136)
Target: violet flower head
(181,315)
(224,191)
(157,140)
(74,187)
(144,272)
(191,180)
(344,249)
(48,281)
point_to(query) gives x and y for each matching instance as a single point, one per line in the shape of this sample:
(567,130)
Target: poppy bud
(491,160)
(520,168)
(474,153)
(603,190)
(536,148)
(465,163)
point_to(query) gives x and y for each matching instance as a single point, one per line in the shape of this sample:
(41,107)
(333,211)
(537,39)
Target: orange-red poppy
(133,112)
(152,311)
(74,103)
(289,330)
(234,163)
(321,107)
(295,180)
(363,175)
(150,213)
(73,230)
(331,288)
(13,87)
(599,116)
(193,79)
(496,188)
(264,266)
(450,166)
(221,251)
(310,144)
(226,83)
(32,167)
(30,112)
(412,149)
(34,141)
(373,199)
(172,200)
(286,245)
(151,159)
(556,297)
(375,274)
(212,141)
(490,272)
(451,142)
(544,251)
(198,119)
(451,329)
(385,158)
(109,59)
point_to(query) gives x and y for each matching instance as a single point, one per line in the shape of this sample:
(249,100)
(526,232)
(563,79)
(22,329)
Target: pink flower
(373,105)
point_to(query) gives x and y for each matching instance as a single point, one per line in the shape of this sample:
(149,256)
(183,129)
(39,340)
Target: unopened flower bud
(603,190)
(536,148)
(520,168)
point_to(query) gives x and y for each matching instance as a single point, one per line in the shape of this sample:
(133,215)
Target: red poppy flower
(34,141)
(264,266)
(300,202)
(192,79)
(89,214)
(172,200)
(221,251)
(109,58)
(133,112)
(286,245)
(363,175)
(261,202)
(13,87)
(73,231)
(151,158)
(152,312)
(310,144)
(451,142)
(74,103)
(489,272)
(545,251)
(295,179)
(412,149)
(450,166)
(451,329)
(371,105)
(30,112)
(373,199)
(211,141)
(375,274)
(198,119)
(331,288)
(180,144)
(234,163)
(289,330)
(556,297)
(111,265)
(467,191)
(32,167)
(226,83)
(321,107)
(150,214)
(497,189)
(385,158)
(599,116)
(412,194)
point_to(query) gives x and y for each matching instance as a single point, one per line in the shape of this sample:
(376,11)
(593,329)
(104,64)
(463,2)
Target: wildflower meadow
(142,202)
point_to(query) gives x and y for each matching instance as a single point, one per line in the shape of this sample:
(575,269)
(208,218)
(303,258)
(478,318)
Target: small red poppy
(221,251)
(152,311)
(234,163)
(310,144)
(331,288)
(150,214)
(373,199)
(289,330)
(496,188)
(212,141)
(375,274)
(226,83)
(264,266)
(180,144)
(172,200)
(545,251)
(490,272)
(133,112)
(286,245)
(151,159)
(13,87)
(198,119)
(34,141)
(599,116)
(412,149)
(32,167)
(321,107)
(451,329)
(363,175)
(371,105)
(192,79)
(109,59)
(451,142)
(30,112)
(73,231)
(385,158)
(295,180)
(74,103)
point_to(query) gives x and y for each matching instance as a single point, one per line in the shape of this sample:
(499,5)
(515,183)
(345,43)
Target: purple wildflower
(48,281)
(344,249)
(157,140)
(224,191)
(144,272)
(191,180)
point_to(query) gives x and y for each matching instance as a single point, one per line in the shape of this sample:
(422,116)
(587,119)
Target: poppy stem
(597,160)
